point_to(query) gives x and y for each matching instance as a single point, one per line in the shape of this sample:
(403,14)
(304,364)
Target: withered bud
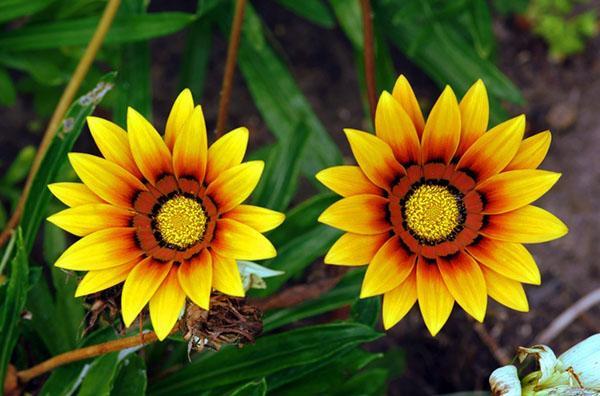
(105,305)
(230,320)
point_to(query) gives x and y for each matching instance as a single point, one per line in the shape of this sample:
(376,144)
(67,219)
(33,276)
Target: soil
(562,97)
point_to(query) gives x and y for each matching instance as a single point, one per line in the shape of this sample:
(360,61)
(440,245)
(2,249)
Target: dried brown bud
(230,320)
(106,305)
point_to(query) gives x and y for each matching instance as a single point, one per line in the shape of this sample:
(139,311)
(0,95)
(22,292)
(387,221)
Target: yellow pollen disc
(181,221)
(432,212)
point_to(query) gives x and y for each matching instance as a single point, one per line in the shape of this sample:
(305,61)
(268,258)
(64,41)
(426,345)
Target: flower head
(439,210)
(575,372)
(163,215)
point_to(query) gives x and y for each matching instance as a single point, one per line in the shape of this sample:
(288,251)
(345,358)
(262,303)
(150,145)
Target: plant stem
(369,55)
(232,50)
(61,108)
(86,353)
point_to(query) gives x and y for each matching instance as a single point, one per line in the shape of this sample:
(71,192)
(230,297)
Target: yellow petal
(85,219)
(355,249)
(361,214)
(375,158)
(494,149)
(103,249)
(529,224)
(532,152)
(95,281)
(347,180)
(390,267)
(141,284)
(398,301)
(74,194)
(234,185)
(113,143)
(442,130)
(261,219)
(150,152)
(226,276)
(511,190)
(239,241)
(180,112)
(195,278)
(395,127)
(166,305)
(106,179)
(190,151)
(506,291)
(435,301)
(474,116)
(512,260)
(462,275)
(227,152)
(404,94)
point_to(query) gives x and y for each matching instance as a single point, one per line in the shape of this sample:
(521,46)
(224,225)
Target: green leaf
(322,377)
(268,355)
(13,301)
(196,56)
(65,380)
(252,388)
(279,99)
(300,240)
(8,94)
(12,9)
(42,66)
(55,157)
(366,310)
(78,32)
(479,24)
(313,10)
(369,382)
(345,293)
(131,379)
(441,52)
(18,170)
(98,379)
(133,85)
(279,181)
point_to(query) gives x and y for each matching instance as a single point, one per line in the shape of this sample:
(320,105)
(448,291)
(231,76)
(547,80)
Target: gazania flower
(439,209)
(164,216)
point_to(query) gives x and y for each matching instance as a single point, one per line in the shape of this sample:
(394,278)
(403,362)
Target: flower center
(432,213)
(181,221)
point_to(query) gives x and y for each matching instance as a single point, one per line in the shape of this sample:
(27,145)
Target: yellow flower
(164,216)
(439,209)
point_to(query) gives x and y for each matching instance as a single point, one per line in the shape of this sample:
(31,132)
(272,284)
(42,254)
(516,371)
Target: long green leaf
(8,93)
(78,32)
(313,10)
(133,85)
(268,355)
(345,293)
(278,97)
(12,9)
(196,56)
(98,379)
(13,302)
(279,181)
(132,379)
(68,132)
(299,241)
(252,388)
(440,51)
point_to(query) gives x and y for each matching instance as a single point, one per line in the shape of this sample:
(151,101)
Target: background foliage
(41,41)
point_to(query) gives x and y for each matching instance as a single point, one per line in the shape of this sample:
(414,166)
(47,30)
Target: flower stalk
(232,50)
(369,55)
